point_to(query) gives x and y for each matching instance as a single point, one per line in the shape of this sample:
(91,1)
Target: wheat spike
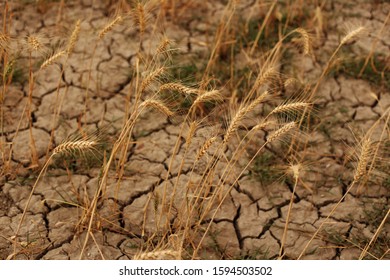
(352,34)
(281,131)
(73,38)
(257,101)
(163,47)
(238,117)
(34,43)
(152,77)
(264,77)
(51,59)
(205,147)
(74,146)
(110,26)
(4,41)
(261,125)
(213,95)
(157,105)
(191,131)
(290,107)
(178,87)
(306,40)
(364,157)
(140,17)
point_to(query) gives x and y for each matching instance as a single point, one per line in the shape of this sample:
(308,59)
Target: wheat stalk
(51,59)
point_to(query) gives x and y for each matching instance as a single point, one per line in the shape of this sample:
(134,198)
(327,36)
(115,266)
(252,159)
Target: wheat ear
(34,43)
(140,17)
(214,95)
(110,26)
(205,147)
(163,47)
(73,38)
(290,107)
(52,59)
(281,131)
(364,157)
(352,34)
(74,146)
(178,87)
(157,105)
(238,117)
(152,77)
(257,101)
(307,46)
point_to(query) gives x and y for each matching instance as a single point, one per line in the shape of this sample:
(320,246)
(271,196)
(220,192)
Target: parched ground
(252,219)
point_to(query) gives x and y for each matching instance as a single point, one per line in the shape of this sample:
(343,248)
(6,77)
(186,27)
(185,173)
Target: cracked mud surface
(252,218)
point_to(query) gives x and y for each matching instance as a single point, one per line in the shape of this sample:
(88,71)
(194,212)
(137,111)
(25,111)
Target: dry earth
(251,221)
